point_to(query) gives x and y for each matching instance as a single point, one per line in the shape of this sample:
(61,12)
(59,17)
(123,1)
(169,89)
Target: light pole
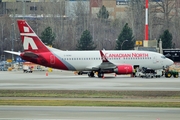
(123,43)
(13,38)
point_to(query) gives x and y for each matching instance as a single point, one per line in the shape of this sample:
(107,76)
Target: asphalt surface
(63,80)
(87,113)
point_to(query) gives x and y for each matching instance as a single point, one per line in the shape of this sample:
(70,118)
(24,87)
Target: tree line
(73,33)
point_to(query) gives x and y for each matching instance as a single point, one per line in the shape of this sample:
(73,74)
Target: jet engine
(124,69)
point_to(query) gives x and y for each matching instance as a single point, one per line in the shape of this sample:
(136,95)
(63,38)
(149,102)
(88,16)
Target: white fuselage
(86,60)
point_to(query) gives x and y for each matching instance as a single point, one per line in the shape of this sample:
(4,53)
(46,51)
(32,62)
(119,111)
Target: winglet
(103,57)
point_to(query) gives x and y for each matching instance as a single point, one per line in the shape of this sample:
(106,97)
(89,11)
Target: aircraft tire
(100,75)
(80,73)
(147,76)
(91,74)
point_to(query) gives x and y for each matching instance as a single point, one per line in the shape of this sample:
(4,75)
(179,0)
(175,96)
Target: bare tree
(68,19)
(2,24)
(5,33)
(164,10)
(164,15)
(136,16)
(176,25)
(78,21)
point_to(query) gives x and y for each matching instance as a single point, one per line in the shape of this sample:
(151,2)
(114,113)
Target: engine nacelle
(124,69)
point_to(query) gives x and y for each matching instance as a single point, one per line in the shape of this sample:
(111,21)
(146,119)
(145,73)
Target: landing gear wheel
(79,73)
(100,75)
(91,74)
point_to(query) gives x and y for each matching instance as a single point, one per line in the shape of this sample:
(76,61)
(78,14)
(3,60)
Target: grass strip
(89,94)
(88,103)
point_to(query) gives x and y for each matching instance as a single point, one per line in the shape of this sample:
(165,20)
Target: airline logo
(103,57)
(28,40)
(126,55)
(26,29)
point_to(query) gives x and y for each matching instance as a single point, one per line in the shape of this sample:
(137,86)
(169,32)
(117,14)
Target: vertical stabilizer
(31,42)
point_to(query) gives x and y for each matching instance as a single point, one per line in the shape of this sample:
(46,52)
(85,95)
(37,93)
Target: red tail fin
(31,42)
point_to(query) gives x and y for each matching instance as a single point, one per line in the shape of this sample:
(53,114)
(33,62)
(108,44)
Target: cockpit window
(163,57)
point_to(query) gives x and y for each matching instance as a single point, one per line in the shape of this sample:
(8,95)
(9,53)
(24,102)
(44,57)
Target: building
(41,8)
(115,8)
(35,9)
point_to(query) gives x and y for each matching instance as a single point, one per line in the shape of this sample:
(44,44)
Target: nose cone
(170,62)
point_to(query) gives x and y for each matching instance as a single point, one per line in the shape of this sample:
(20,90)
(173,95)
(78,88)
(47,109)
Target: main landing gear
(91,73)
(99,74)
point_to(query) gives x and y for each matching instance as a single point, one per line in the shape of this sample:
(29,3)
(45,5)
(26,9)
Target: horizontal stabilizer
(12,52)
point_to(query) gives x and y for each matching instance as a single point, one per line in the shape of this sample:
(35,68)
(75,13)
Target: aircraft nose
(170,62)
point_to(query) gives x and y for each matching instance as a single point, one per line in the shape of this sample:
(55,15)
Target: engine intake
(124,69)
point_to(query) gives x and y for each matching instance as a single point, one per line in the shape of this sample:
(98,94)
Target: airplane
(100,61)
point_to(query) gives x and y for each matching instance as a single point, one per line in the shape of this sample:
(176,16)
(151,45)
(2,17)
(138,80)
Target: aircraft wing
(105,65)
(105,62)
